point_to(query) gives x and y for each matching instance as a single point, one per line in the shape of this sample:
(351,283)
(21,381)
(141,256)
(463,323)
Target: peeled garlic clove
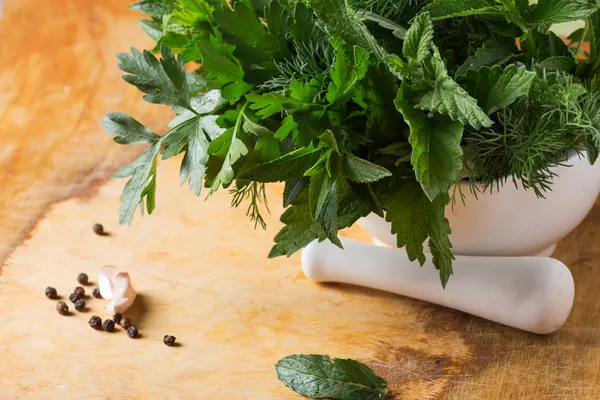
(106,281)
(123,294)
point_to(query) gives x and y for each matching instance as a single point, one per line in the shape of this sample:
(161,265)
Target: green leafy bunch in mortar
(361,106)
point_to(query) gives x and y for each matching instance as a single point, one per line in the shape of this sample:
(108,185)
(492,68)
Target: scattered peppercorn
(80,305)
(169,340)
(79,291)
(74,297)
(50,292)
(125,322)
(108,325)
(117,318)
(96,293)
(132,332)
(98,229)
(82,278)
(96,322)
(62,308)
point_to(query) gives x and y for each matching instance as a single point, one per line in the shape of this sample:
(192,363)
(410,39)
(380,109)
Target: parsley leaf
(127,129)
(164,81)
(320,376)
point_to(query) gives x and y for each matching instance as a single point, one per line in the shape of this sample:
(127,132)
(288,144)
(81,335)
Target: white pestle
(534,294)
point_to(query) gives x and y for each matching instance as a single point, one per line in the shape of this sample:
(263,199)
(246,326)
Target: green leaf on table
(397,30)
(141,185)
(319,376)
(289,166)
(419,37)
(164,81)
(222,67)
(436,152)
(363,171)
(127,129)
(443,9)
(497,88)
(323,200)
(493,52)
(447,97)
(557,11)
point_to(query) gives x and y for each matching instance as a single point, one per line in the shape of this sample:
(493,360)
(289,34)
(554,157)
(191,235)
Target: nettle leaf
(397,30)
(561,64)
(447,97)
(222,68)
(323,200)
(557,11)
(127,129)
(164,81)
(437,155)
(414,218)
(298,232)
(141,185)
(319,376)
(363,171)
(443,9)
(493,52)
(289,166)
(418,38)
(497,88)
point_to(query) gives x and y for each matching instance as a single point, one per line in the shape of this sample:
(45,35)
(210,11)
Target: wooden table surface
(206,279)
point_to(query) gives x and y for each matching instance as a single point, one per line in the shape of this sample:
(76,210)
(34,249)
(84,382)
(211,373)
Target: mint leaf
(319,376)
(493,52)
(299,231)
(323,200)
(561,64)
(497,88)
(397,30)
(345,74)
(289,166)
(447,97)
(439,240)
(557,11)
(141,185)
(418,38)
(164,81)
(292,189)
(436,155)
(360,170)
(443,9)
(127,129)
(223,69)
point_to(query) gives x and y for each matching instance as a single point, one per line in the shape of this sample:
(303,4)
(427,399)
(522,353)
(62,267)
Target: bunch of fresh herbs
(361,106)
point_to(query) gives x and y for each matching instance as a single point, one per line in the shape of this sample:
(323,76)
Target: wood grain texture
(203,279)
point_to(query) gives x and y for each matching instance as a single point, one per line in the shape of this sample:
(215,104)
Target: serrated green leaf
(345,74)
(447,97)
(299,231)
(292,189)
(439,237)
(562,64)
(497,88)
(164,81)
(443,9)
(289,166)
(323,200)
(318,376)
(493,52)
(151,28)
(127,129)
(417,44)
(276,17)
(557,11)
(397,30)
(363,171)
(437,154)
(550,45)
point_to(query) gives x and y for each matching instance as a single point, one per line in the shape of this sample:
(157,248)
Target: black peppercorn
(62,308)
(98,229)
(74,297)
(132,332)
(117,318)
(169,340)
(79,291)
(108,325)
(50,292)
(82,278)
(96,322)
(96,293)
(80,305)
(125,322)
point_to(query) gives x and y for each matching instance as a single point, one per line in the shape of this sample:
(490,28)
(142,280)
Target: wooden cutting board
(200,267)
